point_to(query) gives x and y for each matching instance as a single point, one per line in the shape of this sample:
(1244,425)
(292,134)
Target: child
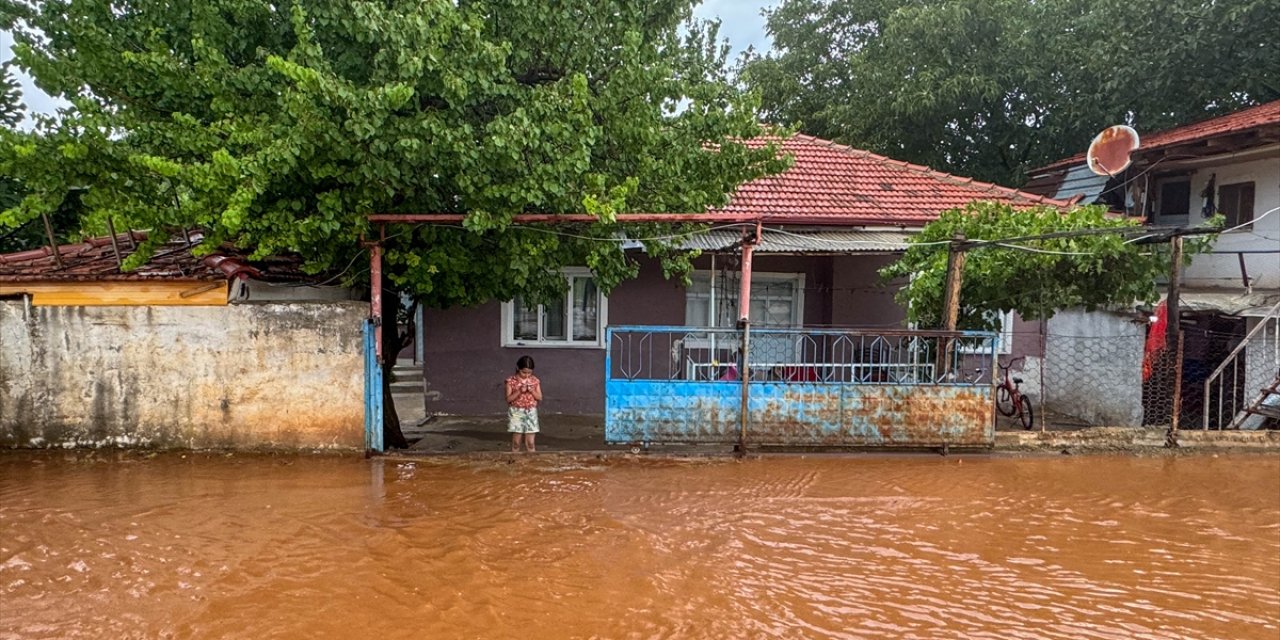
(524,392)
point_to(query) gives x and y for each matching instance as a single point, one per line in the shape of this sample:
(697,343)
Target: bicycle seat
(1017,380)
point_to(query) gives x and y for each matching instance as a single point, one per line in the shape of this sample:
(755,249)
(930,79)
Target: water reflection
(215,546)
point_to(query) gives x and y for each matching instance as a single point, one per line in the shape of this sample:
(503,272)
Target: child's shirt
(524,399)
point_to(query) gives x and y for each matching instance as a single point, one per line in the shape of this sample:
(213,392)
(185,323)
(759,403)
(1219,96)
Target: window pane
(525,322)
(696,310)
(586,307)
(1175,198)
(772,303)
(1236,203)
(553,320)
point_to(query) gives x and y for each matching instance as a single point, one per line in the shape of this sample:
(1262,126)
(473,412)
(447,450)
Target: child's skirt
(522,420)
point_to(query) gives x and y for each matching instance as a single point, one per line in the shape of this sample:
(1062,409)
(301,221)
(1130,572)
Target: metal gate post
(372,392)
(745,368)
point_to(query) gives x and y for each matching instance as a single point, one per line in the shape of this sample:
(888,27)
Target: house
(184,351)
(1229,166)
(829,224)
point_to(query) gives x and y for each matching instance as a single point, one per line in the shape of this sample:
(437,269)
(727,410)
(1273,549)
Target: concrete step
(406,375)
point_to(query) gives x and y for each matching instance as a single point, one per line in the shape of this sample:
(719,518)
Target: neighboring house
(830,223)
(1228,165)
(184,351)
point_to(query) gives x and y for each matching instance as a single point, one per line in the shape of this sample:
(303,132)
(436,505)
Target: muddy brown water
(208,546)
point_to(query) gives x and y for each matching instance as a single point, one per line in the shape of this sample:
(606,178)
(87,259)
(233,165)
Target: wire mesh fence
(1079,376)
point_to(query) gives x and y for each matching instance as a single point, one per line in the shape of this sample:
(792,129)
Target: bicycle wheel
(1025,414)
(1004,401)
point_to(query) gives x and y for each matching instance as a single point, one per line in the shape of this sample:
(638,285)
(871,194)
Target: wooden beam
(128,293)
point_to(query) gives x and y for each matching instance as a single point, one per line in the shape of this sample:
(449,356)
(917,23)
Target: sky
(740,23)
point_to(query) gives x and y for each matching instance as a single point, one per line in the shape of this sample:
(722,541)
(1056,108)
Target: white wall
(1223,271)
(264,375)
(1093,368)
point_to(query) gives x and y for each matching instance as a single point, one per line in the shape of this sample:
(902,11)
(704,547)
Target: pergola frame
(383,219)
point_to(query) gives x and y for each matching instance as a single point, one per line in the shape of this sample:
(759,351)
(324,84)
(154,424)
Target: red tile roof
(94,259)
(834,185)
(1263,115)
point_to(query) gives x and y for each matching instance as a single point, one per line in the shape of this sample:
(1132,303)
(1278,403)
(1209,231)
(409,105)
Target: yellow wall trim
(129,293)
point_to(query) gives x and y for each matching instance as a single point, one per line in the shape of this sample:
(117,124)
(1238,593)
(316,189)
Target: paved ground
(576,434)
(464,434)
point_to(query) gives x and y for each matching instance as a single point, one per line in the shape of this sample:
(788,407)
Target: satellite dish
(1109,151)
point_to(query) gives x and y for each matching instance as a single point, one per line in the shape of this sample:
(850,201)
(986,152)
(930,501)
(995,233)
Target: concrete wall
(268,375)
(1092,368)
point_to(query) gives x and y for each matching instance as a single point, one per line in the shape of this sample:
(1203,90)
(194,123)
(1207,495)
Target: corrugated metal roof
(777,241)
(1081,181)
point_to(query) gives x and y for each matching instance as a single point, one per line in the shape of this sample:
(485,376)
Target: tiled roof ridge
(1157,139)
(968,182)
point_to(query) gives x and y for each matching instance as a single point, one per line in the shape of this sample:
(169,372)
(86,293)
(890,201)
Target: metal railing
(801,355)
(1253,362)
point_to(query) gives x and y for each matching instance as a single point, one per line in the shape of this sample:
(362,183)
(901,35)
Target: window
(777,299)
(576,320)
(1235,201)
(1174,197)
(1004,341)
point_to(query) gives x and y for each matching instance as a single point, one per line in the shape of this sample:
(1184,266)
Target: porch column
(375,292)
(744,324)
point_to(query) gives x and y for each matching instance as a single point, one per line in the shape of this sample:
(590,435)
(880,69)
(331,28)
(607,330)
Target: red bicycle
(1010,400)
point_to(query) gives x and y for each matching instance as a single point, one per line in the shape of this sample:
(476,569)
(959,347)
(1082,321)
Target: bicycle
(1010,400)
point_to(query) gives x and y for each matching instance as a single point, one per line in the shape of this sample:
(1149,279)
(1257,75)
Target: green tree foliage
(11,110)
(1034,278)
(990,88)
(280,125)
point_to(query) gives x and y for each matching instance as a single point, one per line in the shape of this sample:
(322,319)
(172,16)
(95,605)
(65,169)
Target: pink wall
(466,364)
(859,298)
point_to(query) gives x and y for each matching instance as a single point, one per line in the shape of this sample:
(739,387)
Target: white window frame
(602,319)
(757,277)
(1004,338)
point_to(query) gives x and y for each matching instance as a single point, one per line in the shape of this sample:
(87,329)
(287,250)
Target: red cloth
(1156,342)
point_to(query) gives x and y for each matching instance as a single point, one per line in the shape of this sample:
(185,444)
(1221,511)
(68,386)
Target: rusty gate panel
(808,388)
(853,415)
(920,415)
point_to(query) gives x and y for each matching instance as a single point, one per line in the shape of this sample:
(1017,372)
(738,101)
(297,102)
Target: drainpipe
(744,324)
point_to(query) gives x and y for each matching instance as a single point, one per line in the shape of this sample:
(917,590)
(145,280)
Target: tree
(1034,278)
(991,88)
(11,111)
(280,126)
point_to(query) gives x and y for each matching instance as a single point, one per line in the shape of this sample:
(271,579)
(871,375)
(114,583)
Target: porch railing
(1245,370)
(799,387)
(801,355)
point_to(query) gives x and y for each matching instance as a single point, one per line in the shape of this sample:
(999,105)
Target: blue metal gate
(372,392)
(806,387)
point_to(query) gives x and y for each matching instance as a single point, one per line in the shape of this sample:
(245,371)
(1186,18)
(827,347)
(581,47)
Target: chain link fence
(1086,370)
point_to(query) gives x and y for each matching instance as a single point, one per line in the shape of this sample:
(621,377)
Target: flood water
(210,546)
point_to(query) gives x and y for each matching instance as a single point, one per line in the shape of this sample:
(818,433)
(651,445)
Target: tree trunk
(392,435)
